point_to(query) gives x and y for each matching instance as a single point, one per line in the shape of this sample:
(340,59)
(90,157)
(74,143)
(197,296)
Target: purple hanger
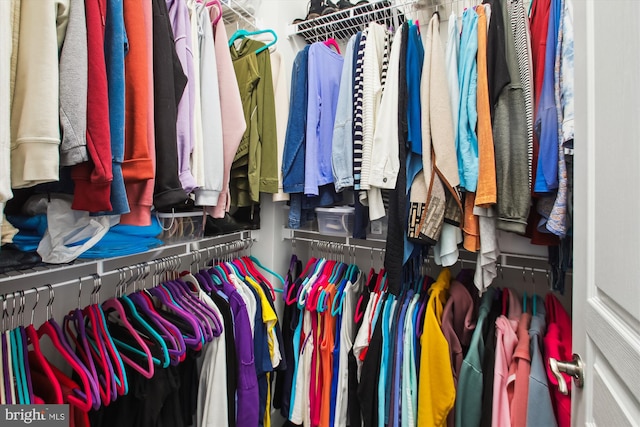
(194,341)
(185,301)
(170,333)
(216,323)
(76,318)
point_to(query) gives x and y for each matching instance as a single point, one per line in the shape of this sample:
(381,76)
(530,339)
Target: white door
(606,306)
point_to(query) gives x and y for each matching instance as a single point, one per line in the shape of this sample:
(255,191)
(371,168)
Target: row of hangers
(144,329)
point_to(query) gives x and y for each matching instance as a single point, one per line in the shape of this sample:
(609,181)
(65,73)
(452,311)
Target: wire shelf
(345,23)
(242,11)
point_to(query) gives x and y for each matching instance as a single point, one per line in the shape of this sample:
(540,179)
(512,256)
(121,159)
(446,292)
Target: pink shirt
(233,124)
(518,384)
(506,342)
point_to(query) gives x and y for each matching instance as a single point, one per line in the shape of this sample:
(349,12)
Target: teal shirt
(469,392)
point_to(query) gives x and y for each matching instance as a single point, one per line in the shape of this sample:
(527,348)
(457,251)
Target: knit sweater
(510,138)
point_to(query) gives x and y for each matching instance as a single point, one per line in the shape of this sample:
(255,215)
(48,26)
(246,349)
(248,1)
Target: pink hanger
(217,3)
(331,42)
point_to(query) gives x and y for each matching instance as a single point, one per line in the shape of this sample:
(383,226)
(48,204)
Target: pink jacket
(506,342)
(557,344)
(233,123)
(518,384)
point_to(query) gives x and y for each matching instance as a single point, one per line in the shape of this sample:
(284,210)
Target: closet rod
(528,264)
(25,279)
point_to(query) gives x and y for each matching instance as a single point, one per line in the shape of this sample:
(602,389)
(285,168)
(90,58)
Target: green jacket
(255,166)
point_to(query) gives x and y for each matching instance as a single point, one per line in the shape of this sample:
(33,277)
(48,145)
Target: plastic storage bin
(336,221)
(181,226)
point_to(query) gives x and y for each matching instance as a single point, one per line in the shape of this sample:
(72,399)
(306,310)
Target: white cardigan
(386,164)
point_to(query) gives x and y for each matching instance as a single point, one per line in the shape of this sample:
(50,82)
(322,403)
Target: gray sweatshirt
(73,88)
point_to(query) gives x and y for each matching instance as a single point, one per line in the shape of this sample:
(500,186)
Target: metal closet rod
(336,245)
(136,273)
(67,273)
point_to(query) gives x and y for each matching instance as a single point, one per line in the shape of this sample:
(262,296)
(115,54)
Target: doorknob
(574,368)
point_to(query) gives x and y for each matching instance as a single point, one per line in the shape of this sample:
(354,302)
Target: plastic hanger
(17,359)
(181,300)
(170,332)
(217,3)
(16,388)
(147,329)
(242,33)
(50,328)
(98,350)
(25,364)
(38,361)
(255,262)
(199,307)
(103,338)
(78,336)
(112,306)
(331,42)
(21,342)
(18,367)
(195,340)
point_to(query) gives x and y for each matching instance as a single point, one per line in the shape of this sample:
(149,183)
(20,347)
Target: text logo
(34,415)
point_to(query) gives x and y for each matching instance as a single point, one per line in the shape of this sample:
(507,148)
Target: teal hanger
(524,302)
(103,320)
(273,273)
(242,33)
(148,328)
(16,362)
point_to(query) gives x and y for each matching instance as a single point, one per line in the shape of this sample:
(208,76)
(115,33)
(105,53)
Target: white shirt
(211,410)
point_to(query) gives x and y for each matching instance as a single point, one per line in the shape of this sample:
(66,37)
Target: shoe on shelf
(248,216)
(314,10)
(220,226)
(344,4)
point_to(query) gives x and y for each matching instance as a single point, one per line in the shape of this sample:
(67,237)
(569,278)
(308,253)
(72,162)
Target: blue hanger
(241,33)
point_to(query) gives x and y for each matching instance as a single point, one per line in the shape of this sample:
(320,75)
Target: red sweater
(93,178)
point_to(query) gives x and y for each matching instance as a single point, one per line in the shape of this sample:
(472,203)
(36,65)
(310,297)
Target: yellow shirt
(436,390)
(269,318)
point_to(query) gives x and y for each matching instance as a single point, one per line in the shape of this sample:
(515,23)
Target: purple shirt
(324,73)
(181,25)
(247,398)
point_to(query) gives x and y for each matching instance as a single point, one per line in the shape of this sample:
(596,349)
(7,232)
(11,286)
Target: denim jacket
(294,144)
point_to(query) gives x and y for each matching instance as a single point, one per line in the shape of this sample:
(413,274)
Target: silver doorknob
(573,368)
